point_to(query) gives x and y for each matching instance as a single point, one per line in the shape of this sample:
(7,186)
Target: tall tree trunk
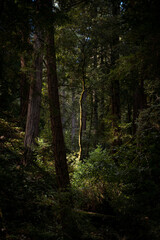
(95,103)
(102,110)
(63,106)
(81,127)
(95,117)
(73,129)
(90,125)
(84,111)
(24,94)
(81,102)
(33,114)
(129,115)
(115,89)
(69,226)
(55,116)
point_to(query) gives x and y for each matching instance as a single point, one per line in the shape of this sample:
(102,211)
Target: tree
(115,88)
(33,113)
(69,226)
(24,92)
(82,125)
(56,124)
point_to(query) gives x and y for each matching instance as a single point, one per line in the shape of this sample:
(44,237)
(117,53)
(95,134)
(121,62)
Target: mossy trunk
(82,124)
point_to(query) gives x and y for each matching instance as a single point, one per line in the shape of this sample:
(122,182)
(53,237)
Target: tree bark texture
(24,94)
(82,124)
(115,88)
(33,114)
(73,129)
(69,226)
(95,117)
(63,106)
(90,124)
(55,116)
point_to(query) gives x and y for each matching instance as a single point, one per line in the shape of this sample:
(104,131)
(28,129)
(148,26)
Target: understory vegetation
(115,196)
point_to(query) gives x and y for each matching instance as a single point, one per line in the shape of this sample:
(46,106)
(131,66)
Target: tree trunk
(84,112)
(139,102)
(63,106)
(69,227)
(33,114)
(115,89)
(55,116)
(90,125)
(102,110)
(95,117)
(73,130)
(95,103)
(115,103)
(82,125)
(24,94)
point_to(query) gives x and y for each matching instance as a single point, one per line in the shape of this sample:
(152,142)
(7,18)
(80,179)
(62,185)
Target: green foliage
(97,166)
(29,202)
(11,141)
(92,178)
(127,180)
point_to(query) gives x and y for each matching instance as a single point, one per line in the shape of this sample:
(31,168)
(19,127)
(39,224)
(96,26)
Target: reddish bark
(55,116)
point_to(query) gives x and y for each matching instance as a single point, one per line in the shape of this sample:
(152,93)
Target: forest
(79,120)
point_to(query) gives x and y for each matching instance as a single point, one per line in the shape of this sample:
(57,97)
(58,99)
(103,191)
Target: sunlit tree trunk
(81,126)
(82,101)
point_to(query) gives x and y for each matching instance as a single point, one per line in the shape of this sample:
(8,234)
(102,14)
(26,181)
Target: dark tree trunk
(63,106)
(115,103)
(139,102)
(84,112)
(24,94)
(73,129)
(129,115)
(90,125)
(101,124)
(95,117)
(33,114)
(95,103)
(115,88)
(69,226)
(56,124)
